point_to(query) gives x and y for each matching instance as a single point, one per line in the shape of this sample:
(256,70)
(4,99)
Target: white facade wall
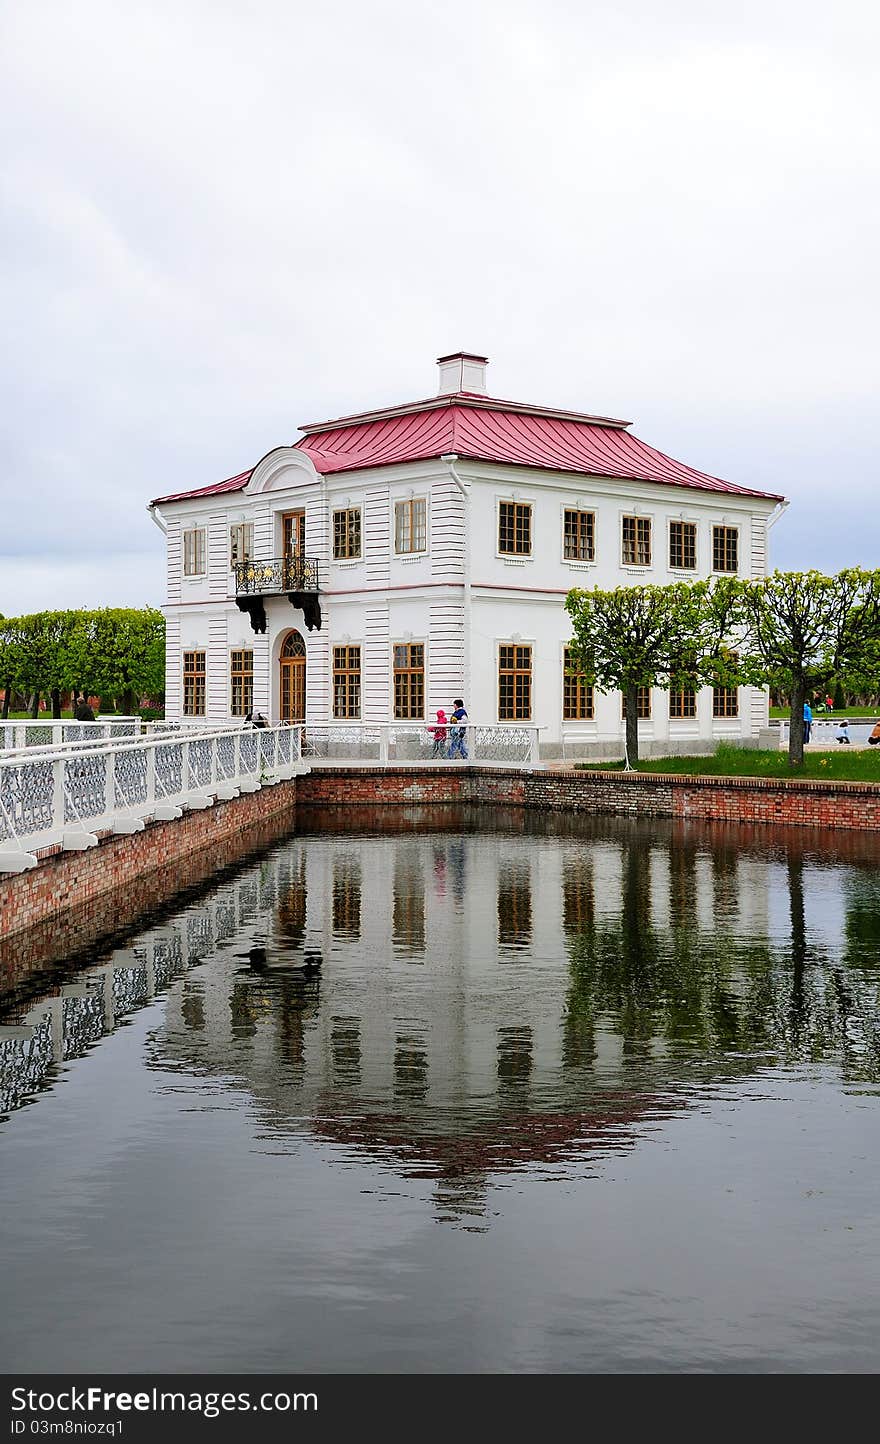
(381,599)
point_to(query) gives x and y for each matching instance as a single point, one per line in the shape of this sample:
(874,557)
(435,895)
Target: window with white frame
(635,541)
(682,546)
(409,680)
(578,535)
(194,684)
(347,681)
(241,542)
(515,528)
(194,551)
(241,680)
(514,683)
(578,703)
(347,534)
(682,703)
(725,549)
(411,526)
(643,704)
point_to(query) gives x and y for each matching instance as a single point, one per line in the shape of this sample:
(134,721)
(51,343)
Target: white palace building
(394,560)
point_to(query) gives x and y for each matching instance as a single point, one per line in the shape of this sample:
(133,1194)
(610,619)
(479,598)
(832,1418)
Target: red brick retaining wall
(787,802)
(66,880)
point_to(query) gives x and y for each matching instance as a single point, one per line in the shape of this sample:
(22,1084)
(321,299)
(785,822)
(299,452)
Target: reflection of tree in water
(718,996)
(862,927)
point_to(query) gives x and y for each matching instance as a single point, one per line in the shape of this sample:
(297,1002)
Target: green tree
(650,636)
(804,630)
(10,660)
(127,653)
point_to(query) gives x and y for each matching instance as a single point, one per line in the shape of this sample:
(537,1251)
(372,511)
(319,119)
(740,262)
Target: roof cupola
(462,371)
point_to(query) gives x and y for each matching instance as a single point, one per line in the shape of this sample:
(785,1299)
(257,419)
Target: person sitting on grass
(875,735)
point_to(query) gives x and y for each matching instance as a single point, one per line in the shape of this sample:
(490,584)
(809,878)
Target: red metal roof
(232,483)
(482,429)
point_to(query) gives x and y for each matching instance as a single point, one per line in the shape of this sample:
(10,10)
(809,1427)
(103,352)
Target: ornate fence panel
(168,763)
(130,776)
(26,798)
(85,786)
(66,794)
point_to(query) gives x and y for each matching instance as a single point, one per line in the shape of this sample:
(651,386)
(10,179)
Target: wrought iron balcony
(293,577)
(281,575)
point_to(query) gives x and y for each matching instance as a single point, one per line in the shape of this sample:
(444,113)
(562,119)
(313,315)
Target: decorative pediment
(284,469)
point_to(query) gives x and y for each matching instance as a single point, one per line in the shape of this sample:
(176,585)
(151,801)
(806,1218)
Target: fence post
(110,784)
(186,770)
(534,754)
(150,758)
(58,793)
(383,744)
(237,763)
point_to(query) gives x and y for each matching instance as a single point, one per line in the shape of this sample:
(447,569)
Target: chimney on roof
(462,371)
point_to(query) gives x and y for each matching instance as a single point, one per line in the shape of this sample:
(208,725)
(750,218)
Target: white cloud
(222,220)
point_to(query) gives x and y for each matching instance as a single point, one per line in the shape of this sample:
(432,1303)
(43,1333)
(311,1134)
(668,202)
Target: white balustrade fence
(499,743)
(52,733)
(69,793)
(68,796)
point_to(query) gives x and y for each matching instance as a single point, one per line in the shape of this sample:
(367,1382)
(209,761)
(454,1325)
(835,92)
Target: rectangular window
(636,541)
(241,542)
(409,680)
(725,701)
(411,526)
(293,534)
(194,552)
(515,528)
(347,534)
(683,546)
(579,536)
(577,693)
(241,676)
(643,705)
(346,681)
(682,703)
(725,549)
(194,684)
(514,683)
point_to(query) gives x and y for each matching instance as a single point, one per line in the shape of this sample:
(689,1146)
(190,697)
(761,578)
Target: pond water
(459,1092)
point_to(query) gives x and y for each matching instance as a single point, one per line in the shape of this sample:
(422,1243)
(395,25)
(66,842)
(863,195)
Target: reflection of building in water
(547,964)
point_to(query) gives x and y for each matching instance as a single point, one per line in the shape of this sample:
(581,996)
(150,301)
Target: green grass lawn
(841,765)
(782,714)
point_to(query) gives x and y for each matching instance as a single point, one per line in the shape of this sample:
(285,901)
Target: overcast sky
(222,219)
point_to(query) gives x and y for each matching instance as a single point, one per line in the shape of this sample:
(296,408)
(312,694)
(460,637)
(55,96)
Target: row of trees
(794,632)
(114,653)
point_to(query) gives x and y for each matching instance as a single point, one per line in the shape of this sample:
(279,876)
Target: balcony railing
(281,574)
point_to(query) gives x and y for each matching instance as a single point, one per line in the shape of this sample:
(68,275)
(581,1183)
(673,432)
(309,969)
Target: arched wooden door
(293,678)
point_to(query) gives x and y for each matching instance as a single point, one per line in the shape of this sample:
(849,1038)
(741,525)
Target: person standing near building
(439,734)
(808,721)
(458,731)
